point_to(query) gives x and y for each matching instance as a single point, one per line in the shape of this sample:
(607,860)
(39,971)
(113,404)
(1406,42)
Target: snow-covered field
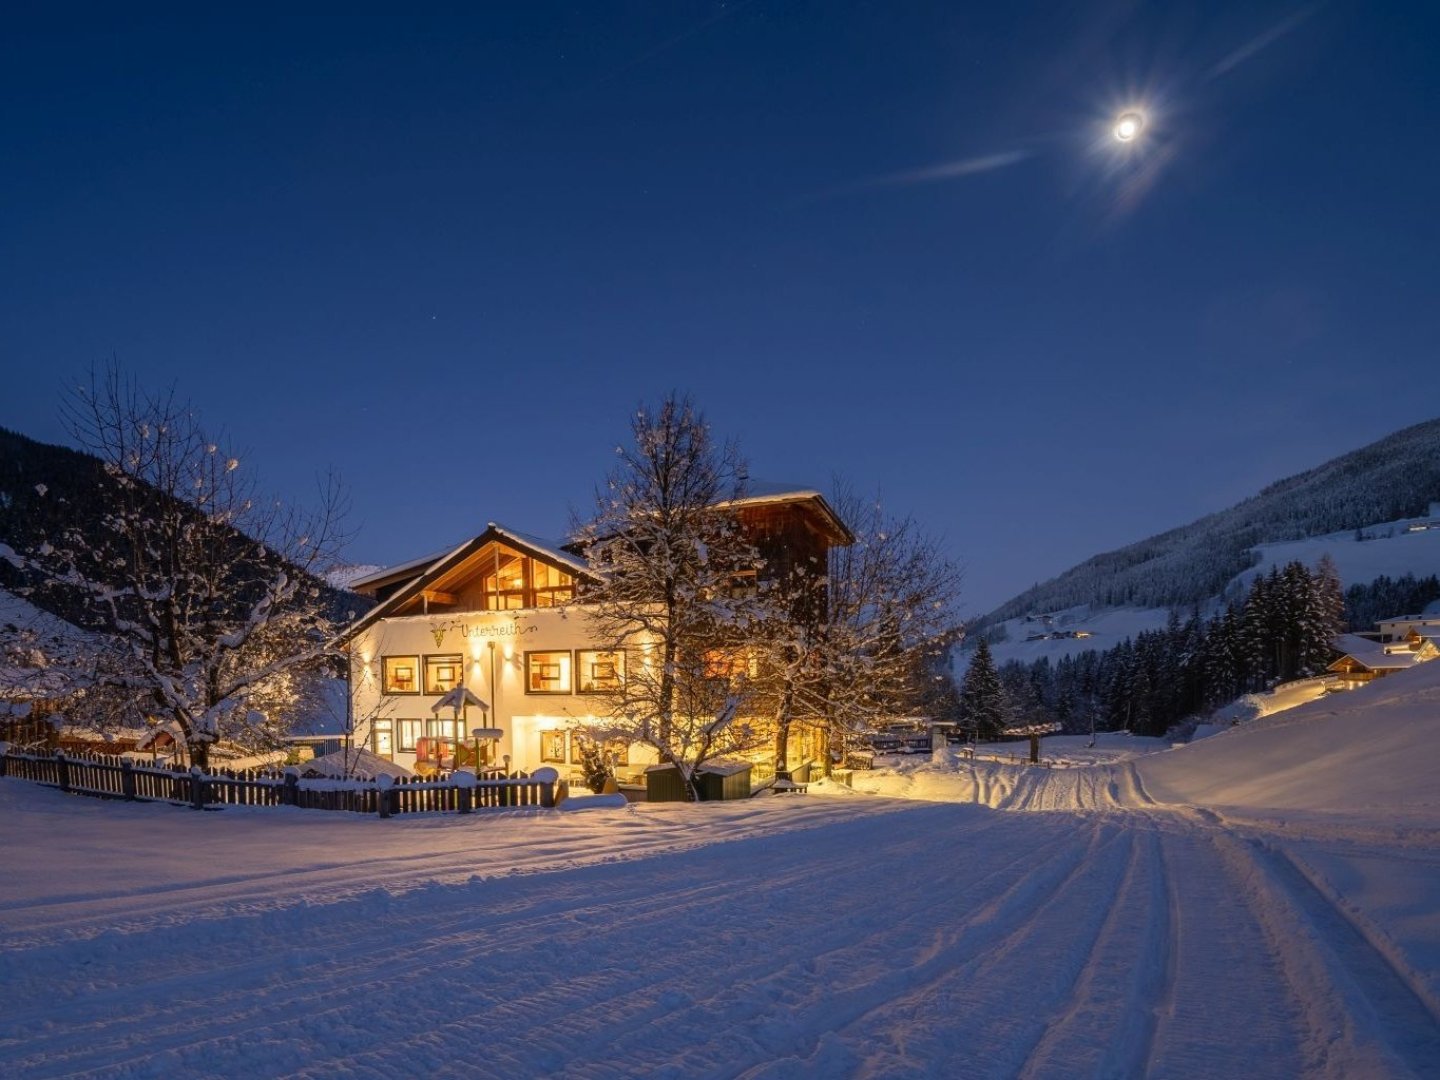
(1262,903)
(1389,549)
(1105,628)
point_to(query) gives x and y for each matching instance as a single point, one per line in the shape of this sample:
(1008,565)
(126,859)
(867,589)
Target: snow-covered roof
(458,699)
(168,727)
(762,492)
(726,768)
(718,767)
(400,569)
(1375,656)
(357,762)
(553,549)
(1428,619)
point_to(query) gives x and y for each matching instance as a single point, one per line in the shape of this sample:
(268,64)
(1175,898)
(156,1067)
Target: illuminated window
(551,586)
(383,734)
(552,746)
(618,750)
(613,751)
(448,730)
(547,673)
(442,673)
(513,581)
(400,674)
(504,585)
(409,735)
(601,670)
(730,664)
(745,583)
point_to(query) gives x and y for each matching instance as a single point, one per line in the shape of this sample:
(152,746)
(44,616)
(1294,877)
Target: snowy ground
(1261,904)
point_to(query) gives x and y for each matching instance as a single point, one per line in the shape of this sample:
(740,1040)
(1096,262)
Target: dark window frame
(416,729)
(395,658)
(580,678)
(564,743)
(569,687)
(429,658)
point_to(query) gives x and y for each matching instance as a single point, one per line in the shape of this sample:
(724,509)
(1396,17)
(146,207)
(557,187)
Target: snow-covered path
(819,937)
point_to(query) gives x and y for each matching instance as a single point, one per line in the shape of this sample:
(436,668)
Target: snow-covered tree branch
(208,590)
(668,562)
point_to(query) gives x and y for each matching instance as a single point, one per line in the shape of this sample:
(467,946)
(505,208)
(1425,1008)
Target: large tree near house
(205,588)
(669,560)
(862,640)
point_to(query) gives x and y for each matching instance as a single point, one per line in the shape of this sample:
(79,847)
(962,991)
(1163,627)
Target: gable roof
(763,493)
(389,574)
(1374,656)
(422,572)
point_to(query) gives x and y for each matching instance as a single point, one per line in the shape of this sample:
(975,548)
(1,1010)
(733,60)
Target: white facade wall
(1398,629)
(492,645)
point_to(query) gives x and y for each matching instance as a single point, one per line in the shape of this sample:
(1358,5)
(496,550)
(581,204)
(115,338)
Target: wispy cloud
(1260,42)
(932,174)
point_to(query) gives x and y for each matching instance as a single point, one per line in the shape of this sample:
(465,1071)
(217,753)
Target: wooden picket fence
(105,778)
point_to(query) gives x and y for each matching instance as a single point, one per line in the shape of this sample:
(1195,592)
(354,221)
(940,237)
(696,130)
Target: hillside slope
(1395,478)
(46,490)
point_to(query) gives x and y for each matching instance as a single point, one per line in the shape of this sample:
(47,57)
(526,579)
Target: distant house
(1430,521)
(1364,660)
(1401,627)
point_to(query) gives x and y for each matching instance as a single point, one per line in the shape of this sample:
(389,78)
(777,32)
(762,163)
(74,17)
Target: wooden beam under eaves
(435,596)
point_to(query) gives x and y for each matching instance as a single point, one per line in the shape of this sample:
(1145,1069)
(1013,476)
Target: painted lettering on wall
(480,630)
(485,630)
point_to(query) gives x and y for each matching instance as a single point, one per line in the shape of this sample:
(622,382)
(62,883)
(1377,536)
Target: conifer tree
(1323,618)
(982,698)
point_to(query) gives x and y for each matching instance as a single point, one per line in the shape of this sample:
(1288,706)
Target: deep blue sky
(449,256)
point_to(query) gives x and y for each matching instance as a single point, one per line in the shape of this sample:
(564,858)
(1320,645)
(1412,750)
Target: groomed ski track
(811,937)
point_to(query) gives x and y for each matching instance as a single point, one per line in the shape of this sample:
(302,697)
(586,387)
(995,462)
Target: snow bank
(1372,750)
(594,802)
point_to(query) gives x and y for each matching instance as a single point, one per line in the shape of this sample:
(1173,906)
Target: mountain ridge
(1393,478)
(46,489)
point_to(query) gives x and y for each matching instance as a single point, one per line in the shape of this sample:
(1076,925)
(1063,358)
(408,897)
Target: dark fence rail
(104,777)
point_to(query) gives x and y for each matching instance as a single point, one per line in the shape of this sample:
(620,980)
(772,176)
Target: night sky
(893,241)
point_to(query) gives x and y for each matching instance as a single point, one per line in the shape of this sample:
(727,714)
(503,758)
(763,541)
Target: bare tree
(206,588)
(889,623)
(668,560)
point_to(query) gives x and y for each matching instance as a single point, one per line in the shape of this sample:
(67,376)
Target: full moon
(1128,126)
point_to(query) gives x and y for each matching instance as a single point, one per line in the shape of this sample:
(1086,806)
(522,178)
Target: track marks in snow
(1108,1025)
(1368,1014)
(922,941)
(493,844)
